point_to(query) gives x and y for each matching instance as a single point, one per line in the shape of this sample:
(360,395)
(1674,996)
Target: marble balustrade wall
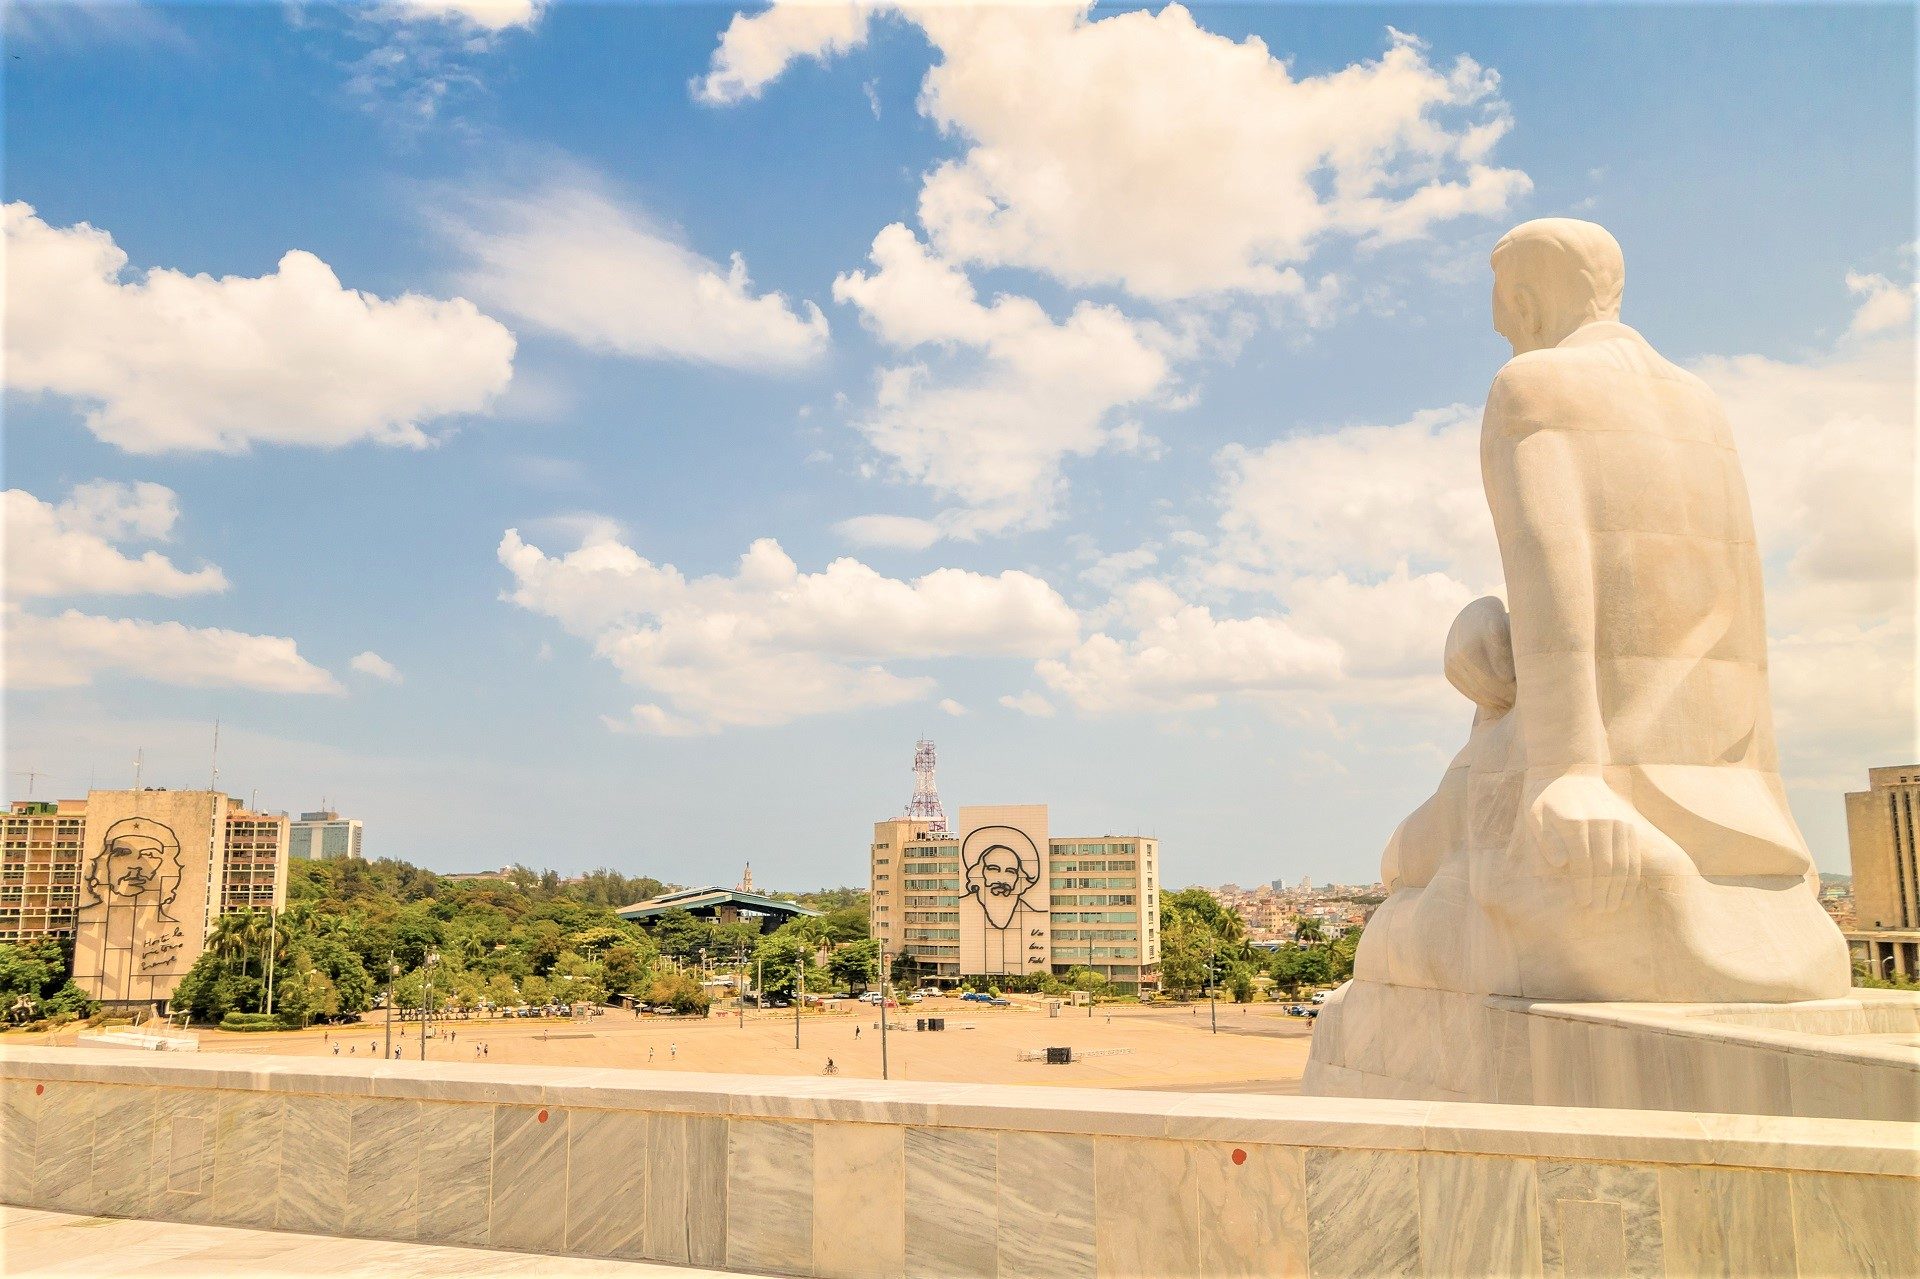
(849,1177)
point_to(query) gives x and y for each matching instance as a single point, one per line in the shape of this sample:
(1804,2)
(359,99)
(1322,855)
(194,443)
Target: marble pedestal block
(1856,1057)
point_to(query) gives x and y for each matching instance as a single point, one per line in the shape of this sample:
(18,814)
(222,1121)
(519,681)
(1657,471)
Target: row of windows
(934,899)
(933,934)
(933,917)
(1082,881)
(1097,899)
(1059,865)
(1096,917)
(932,885)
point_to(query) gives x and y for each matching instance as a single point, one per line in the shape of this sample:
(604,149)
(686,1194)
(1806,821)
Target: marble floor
(33,1242)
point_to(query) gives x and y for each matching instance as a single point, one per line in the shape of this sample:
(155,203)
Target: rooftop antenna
(925,804)
(213,783)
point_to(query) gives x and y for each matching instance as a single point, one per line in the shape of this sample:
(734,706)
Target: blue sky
(1158,356)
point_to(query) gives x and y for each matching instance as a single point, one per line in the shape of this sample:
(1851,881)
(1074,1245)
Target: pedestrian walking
(673,1050)
(856,1034)
(649,1052)
(336,1050)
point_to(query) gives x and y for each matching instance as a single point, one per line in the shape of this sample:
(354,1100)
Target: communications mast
(925,804)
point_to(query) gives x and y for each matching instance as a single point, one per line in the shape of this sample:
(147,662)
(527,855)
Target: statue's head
(1479,658)
(1552,275)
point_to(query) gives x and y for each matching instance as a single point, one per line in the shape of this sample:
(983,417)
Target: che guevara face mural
(138,864)
(1001,864)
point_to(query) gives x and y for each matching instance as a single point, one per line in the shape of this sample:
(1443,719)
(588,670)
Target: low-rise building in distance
(1886,871)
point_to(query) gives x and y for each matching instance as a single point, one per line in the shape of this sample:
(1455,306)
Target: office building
(1005,897)
(1886,871)
(325,836)
(136,879)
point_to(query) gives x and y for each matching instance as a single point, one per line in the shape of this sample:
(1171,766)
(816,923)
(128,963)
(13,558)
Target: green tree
(855,964)
(501,992)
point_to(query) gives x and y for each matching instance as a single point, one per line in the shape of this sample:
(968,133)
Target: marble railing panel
(1252,1211)
(1046,1206)
(1727,1221)
(1363,1213)
(707,1160)
(607,1159)
(1147,1201)
(859,1175)
(180,1187)
(123,1150)
(770,1196)
(383,1168)
(665,1237)
(953,1205)
(455,1173)
(528,1207)
(1479,1215)
(18,1128)
(246,1159)
(1847,1226)
(311,1196)
(63,1157)
(1575,1241)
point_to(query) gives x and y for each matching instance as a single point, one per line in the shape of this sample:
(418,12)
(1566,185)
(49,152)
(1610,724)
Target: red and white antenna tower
(925,804)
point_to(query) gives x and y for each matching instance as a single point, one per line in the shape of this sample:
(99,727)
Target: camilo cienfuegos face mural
(1002,866)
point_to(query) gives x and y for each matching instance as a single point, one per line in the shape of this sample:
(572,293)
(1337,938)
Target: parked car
(998,1002)
(975,997)
(1319,996)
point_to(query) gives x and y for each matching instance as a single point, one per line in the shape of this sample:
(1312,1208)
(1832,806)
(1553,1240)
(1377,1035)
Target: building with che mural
(136,879)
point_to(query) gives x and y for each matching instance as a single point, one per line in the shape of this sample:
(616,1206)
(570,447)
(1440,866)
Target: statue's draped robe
(1634,588)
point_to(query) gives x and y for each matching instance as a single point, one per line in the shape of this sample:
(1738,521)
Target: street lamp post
(1090,975)
(800,993)
(426,1004)
(740,985)
(1213,987)
(393,970)
(885,973)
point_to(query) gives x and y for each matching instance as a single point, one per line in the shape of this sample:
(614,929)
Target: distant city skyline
(657,418)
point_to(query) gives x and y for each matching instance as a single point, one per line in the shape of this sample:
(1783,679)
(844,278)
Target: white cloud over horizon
(770,644)
(485,15)
(377,667)
(572,260)
(1013,397)
(1224,177)
(70,547)
(75,649)
(183,363)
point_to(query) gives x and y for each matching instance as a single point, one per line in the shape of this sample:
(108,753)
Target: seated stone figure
(1620,833)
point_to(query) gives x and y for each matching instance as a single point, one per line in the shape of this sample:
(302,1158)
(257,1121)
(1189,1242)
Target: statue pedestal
(1856,1057)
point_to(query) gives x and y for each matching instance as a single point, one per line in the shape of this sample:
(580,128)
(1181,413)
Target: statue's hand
(1581,825)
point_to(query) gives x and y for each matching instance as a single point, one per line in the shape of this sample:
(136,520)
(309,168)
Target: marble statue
(1616,827)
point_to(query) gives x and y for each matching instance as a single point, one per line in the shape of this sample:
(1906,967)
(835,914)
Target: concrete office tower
(951,905)
(40,850)
(325,836)
(1881,823)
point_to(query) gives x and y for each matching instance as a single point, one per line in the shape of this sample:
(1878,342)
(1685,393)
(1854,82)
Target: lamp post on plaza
(1090,973)
(740,985)
(426,1004)
(1213,986)
(393,970)
(800,993)
(885,972)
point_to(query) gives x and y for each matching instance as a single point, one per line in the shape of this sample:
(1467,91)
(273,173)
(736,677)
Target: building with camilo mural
(136,879)
(1002,896)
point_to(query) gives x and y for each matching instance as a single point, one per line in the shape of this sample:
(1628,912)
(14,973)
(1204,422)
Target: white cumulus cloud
(177,362)
(952,707)
(573,261)
(487,15)
(1014,396)
(69,547)
(770,644)
(755,49)
(1142,150)
(1028,703)
(376,666)
(74,649)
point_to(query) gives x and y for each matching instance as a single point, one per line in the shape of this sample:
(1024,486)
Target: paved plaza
(1259,1048)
